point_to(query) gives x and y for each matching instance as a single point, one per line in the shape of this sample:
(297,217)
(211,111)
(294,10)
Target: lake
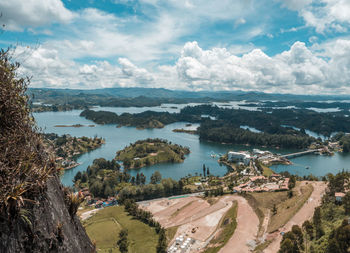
(117,138)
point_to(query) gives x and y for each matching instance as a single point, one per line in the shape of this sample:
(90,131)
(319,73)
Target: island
(151,151)
(67,148)
(188,131)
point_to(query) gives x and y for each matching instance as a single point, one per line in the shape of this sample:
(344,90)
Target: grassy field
(227,227)
(104,227)
(263,203)
(267,171)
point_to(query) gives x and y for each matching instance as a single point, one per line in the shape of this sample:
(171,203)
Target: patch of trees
(166,187)
(292,241)
(344,141)
(104,179)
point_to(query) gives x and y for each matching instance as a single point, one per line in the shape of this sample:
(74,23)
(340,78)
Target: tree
(274,209)
(138,182)
(97,189)
(208,172)
(156,177)
(142,178)
(123,241)
(204,170)
(127,163)
(162,242)
(299,235)
(309,229)
(291,183)
(346,203)
(77,176)
(318,223)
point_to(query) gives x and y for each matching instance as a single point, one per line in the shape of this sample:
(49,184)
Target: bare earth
(305,213)
(246,231)
(196,213)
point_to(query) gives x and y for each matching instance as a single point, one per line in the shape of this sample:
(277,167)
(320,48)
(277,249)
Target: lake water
(118,138)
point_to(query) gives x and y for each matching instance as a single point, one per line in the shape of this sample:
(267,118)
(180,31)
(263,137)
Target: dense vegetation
(344,141)
(148,119)
(151,151)
(24,164)
(218,131)
(104,179)
(278,127)
(329,229)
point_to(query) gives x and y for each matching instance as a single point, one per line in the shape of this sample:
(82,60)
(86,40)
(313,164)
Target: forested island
(151,151)
(278,128)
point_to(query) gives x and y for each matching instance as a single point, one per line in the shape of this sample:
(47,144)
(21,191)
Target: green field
(104,227)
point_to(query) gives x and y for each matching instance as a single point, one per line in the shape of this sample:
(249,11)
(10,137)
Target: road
(246,230)
(305,213)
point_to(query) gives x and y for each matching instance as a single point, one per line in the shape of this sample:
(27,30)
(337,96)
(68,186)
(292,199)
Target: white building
(242,157)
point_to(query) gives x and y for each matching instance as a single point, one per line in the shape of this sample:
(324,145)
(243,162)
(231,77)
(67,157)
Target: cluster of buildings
(97,203)
(264,184)
(181,245)
(263,156)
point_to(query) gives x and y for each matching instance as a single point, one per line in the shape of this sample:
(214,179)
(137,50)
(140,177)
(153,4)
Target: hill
(151,151)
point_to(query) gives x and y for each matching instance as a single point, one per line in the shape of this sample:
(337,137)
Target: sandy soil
(193,212)
(305,213)
(190,213)
(246,231)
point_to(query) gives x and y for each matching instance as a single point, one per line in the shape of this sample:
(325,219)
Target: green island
(151,151)
(181,130)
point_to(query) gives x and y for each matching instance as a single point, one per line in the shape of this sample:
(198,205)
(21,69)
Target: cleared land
(104,228)
(247,228)
(304,213)
(208,222)
(264,202)
(226,229)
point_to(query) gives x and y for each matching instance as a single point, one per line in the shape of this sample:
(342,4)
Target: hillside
(36,213)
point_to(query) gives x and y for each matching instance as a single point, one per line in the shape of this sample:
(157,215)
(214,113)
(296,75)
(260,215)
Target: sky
(279,46)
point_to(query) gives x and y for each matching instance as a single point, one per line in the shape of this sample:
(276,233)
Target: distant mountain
(44,93)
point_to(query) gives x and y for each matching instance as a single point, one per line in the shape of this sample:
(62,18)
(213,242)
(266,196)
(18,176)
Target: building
(339,196)
(239,157)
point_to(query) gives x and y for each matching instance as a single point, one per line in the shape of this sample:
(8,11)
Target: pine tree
(123,241)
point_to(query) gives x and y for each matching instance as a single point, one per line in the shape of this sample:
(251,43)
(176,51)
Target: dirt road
(305,213)
(246,231)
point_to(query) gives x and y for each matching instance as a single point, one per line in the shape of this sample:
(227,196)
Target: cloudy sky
(285,46)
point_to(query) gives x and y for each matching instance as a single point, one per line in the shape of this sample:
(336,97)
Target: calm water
(118,138)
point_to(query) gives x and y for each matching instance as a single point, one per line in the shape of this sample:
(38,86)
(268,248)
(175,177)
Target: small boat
(307,168)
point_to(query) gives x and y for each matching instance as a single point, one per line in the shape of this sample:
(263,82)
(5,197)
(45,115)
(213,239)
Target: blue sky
(286,46)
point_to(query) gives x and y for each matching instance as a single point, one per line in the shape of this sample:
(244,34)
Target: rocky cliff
(45,226)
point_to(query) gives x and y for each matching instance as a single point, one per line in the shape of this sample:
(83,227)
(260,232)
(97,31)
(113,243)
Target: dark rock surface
(45,226)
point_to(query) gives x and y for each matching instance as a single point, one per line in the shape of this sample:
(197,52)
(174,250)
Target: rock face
(45,226)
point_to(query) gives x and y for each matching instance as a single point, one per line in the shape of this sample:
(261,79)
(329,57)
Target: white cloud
(19,14)
(323,15)
(324,68)
(298,70)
